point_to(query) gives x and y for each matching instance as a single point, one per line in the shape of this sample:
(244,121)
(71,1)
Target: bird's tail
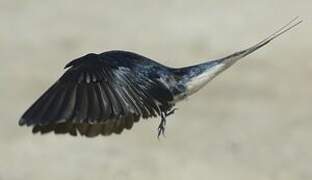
(195,77)
(231,59)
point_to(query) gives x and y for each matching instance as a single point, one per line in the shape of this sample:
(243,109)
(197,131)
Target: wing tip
(22,121)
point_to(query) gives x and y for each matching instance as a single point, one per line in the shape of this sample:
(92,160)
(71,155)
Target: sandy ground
(252,122)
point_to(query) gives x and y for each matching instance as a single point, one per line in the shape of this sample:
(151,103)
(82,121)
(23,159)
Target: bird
(106,93)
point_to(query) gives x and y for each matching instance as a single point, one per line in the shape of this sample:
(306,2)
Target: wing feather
(67,110)
(104,102)
(54,109)
(96,96)
(94,110)
(36,112)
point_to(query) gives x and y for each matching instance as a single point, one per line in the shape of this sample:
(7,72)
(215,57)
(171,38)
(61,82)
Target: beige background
(254,122)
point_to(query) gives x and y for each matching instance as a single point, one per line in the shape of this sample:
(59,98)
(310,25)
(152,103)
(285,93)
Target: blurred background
(252,122)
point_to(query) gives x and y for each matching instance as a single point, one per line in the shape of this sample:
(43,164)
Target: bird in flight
(105,93)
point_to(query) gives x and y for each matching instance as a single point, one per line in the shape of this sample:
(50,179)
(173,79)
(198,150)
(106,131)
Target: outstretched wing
(95,96)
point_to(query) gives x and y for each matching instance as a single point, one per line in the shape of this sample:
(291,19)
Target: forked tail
(229,60)
(195,77)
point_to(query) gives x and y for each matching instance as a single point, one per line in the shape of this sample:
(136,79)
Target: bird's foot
(161,127)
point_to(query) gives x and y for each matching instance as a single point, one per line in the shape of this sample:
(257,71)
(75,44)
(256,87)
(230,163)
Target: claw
(161,127)
(161,131)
